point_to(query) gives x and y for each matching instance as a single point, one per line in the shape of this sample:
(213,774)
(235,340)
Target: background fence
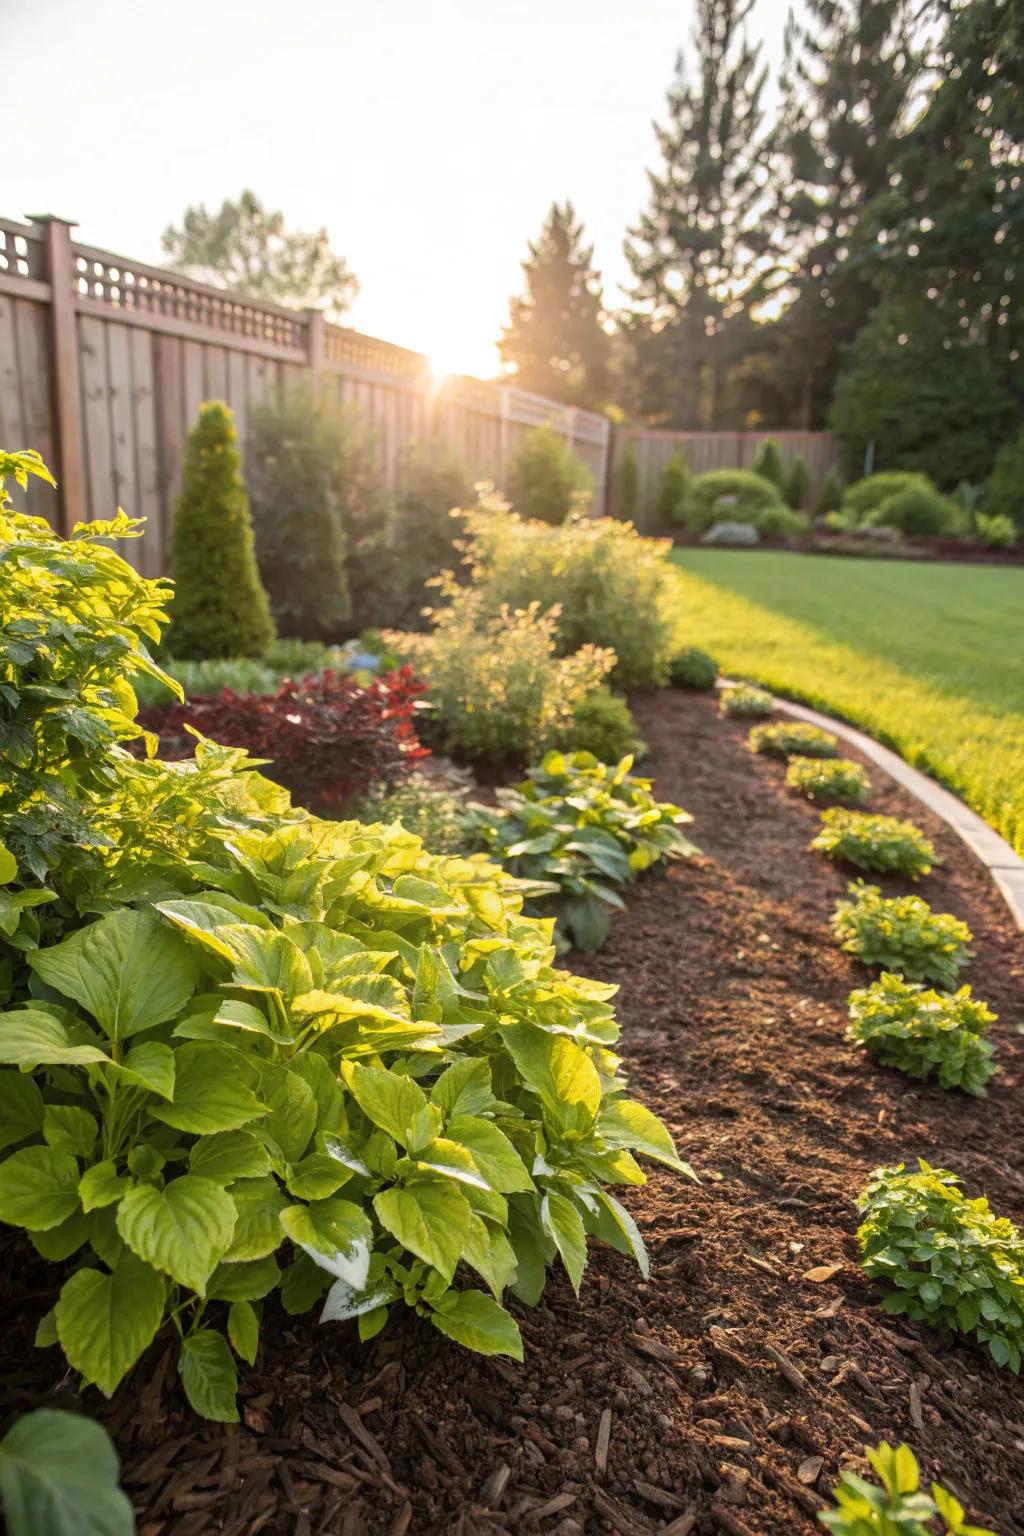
(104,363)
(718,450)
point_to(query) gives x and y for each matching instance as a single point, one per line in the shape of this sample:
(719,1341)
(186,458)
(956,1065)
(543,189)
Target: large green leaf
(243,1282)
(102,1185)
(336,1234)
(149,1064)
(493,1153)
(70,1129)
(33,1037)
(129,970)
(564,1224)
(258,1204)
(104,1322)
(478,1322)
(558,1071)
(21,1108)
(58,1477)
(291,1118)
(209,1376)
(388,1099)
(229,1155)
(209,1094)
(624,1123)
(490,1253)
(428,1217)
(183,1230)
(244,1330)
(38,1188)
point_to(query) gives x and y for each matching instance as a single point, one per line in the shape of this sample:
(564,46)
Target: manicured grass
(927,658)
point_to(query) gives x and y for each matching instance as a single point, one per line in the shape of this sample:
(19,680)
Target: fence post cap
(51,218)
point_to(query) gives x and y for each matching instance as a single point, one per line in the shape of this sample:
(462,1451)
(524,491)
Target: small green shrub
(693,668)
(883,844)
(897,1507)
(779,522)
(603,724)
(952,1263)
(828,779)
(924,1034)
(830,497)
(670,504)
(581,828)
(769,465)
(793,738)
(734,494)
(220,607)
(917,510)
(428,807)
(1004,489)
(865,496)
(545,478)
(997,531)
(627,486)
(798,483)
(746,700)
(902,934)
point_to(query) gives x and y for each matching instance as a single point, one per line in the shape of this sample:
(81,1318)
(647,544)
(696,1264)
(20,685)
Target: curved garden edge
(1004,865)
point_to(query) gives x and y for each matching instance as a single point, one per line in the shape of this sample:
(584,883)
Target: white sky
(430,138)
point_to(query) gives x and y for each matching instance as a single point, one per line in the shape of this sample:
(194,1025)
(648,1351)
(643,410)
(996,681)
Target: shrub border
(1004,865)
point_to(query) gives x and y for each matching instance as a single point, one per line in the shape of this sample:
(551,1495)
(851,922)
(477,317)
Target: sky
(429,138)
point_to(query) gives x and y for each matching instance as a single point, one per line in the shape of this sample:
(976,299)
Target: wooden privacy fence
(104,363)
(718,450)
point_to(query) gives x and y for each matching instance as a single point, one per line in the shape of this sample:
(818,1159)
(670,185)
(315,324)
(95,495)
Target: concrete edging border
(1004,865)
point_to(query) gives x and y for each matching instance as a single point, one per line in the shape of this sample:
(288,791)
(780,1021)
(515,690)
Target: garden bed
(711,1390)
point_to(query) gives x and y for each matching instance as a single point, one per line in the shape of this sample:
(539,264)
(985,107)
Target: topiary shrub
(830,497)
(670,505)
(627,485)
(220,606)
(916,510)
(693,668)
(768,464)
(545,478)
(867,495)
(1004,489)
(798,483)
(603,724)
(736,494)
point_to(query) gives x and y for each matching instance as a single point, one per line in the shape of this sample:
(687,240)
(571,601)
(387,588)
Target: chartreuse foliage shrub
(793,738)
(996,530)
(739,495)
(834,778)
(582,828)
(902,933)
(606,585)
(246,1051)
(545,478)
(951,1262)
(880,843)
(864,497)
(220,605)
(925,1034)
(895,1505)
(693,668)
(917,509)
(746,699)
(1004,488)
(58,1477)
(602,723)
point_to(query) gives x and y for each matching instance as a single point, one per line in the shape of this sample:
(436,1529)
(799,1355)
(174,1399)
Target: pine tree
(554,340)
(220,607)
(693,249)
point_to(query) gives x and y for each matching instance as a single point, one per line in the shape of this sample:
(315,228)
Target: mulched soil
(727,1393)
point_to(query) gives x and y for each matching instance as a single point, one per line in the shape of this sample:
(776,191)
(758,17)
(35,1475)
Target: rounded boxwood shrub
(693,668)
(1004,488)
(603,724)
(736,494)
(545,478)
(881,843)
(867,495)
(997,531)
(220,606)
(780,522)
(917,509)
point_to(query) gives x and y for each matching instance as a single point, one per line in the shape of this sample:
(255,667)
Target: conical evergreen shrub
(830,497)
(798,483)
(220,607)
(768,464)
(627,486)
(670,505)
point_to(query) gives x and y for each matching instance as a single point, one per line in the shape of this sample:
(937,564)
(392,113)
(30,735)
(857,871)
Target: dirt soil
(727,1393)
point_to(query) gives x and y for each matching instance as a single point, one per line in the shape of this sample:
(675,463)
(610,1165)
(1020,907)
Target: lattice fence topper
(22,252)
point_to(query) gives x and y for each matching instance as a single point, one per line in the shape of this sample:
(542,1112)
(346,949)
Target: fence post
(317,343)
(67,395)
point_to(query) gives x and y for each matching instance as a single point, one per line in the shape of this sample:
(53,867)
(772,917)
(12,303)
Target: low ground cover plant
(582,828)
(925,1034)
(835,778)
(693,668)
(902,933)
(883,844)
(895,1505)
(951,1262)
(246,1052)
(602,723)
(434,809)
(793,738)
(746,699)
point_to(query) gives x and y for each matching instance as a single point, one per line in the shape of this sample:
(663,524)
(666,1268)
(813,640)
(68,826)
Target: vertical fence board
(101,489)
(12,422)
(122,427)
(169,376)
(147,454)
(36,399)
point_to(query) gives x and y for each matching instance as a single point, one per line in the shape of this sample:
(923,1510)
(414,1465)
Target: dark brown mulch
(724,1395)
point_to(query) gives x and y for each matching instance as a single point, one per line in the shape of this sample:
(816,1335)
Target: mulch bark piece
(728,1392)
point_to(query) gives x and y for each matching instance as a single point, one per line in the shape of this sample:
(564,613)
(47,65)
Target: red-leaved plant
(326,738)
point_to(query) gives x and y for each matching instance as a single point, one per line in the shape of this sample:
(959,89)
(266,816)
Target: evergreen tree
(671,500)
(220,608)
(768,464)
(627,485)
(692,251)
(554,340)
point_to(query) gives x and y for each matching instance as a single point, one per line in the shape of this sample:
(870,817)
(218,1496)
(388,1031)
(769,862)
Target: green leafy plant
(627,485)
(903,934)
(781,522)
(881,843)
(793,738)
(736,495)
(432,808)
(602,723)
(545,478)
(917,510)
(605,584)
(996,530)
(925,1034)
(746,699)
(582,828)
(833,778)
(865,496)
(951,1262)
(59,1477)
(895,1506)
(220,606)
(693,668)
(670,504)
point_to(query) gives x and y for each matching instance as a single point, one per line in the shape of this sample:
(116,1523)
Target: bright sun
(455,353)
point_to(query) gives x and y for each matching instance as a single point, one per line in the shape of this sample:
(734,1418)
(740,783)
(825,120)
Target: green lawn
(928,658)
